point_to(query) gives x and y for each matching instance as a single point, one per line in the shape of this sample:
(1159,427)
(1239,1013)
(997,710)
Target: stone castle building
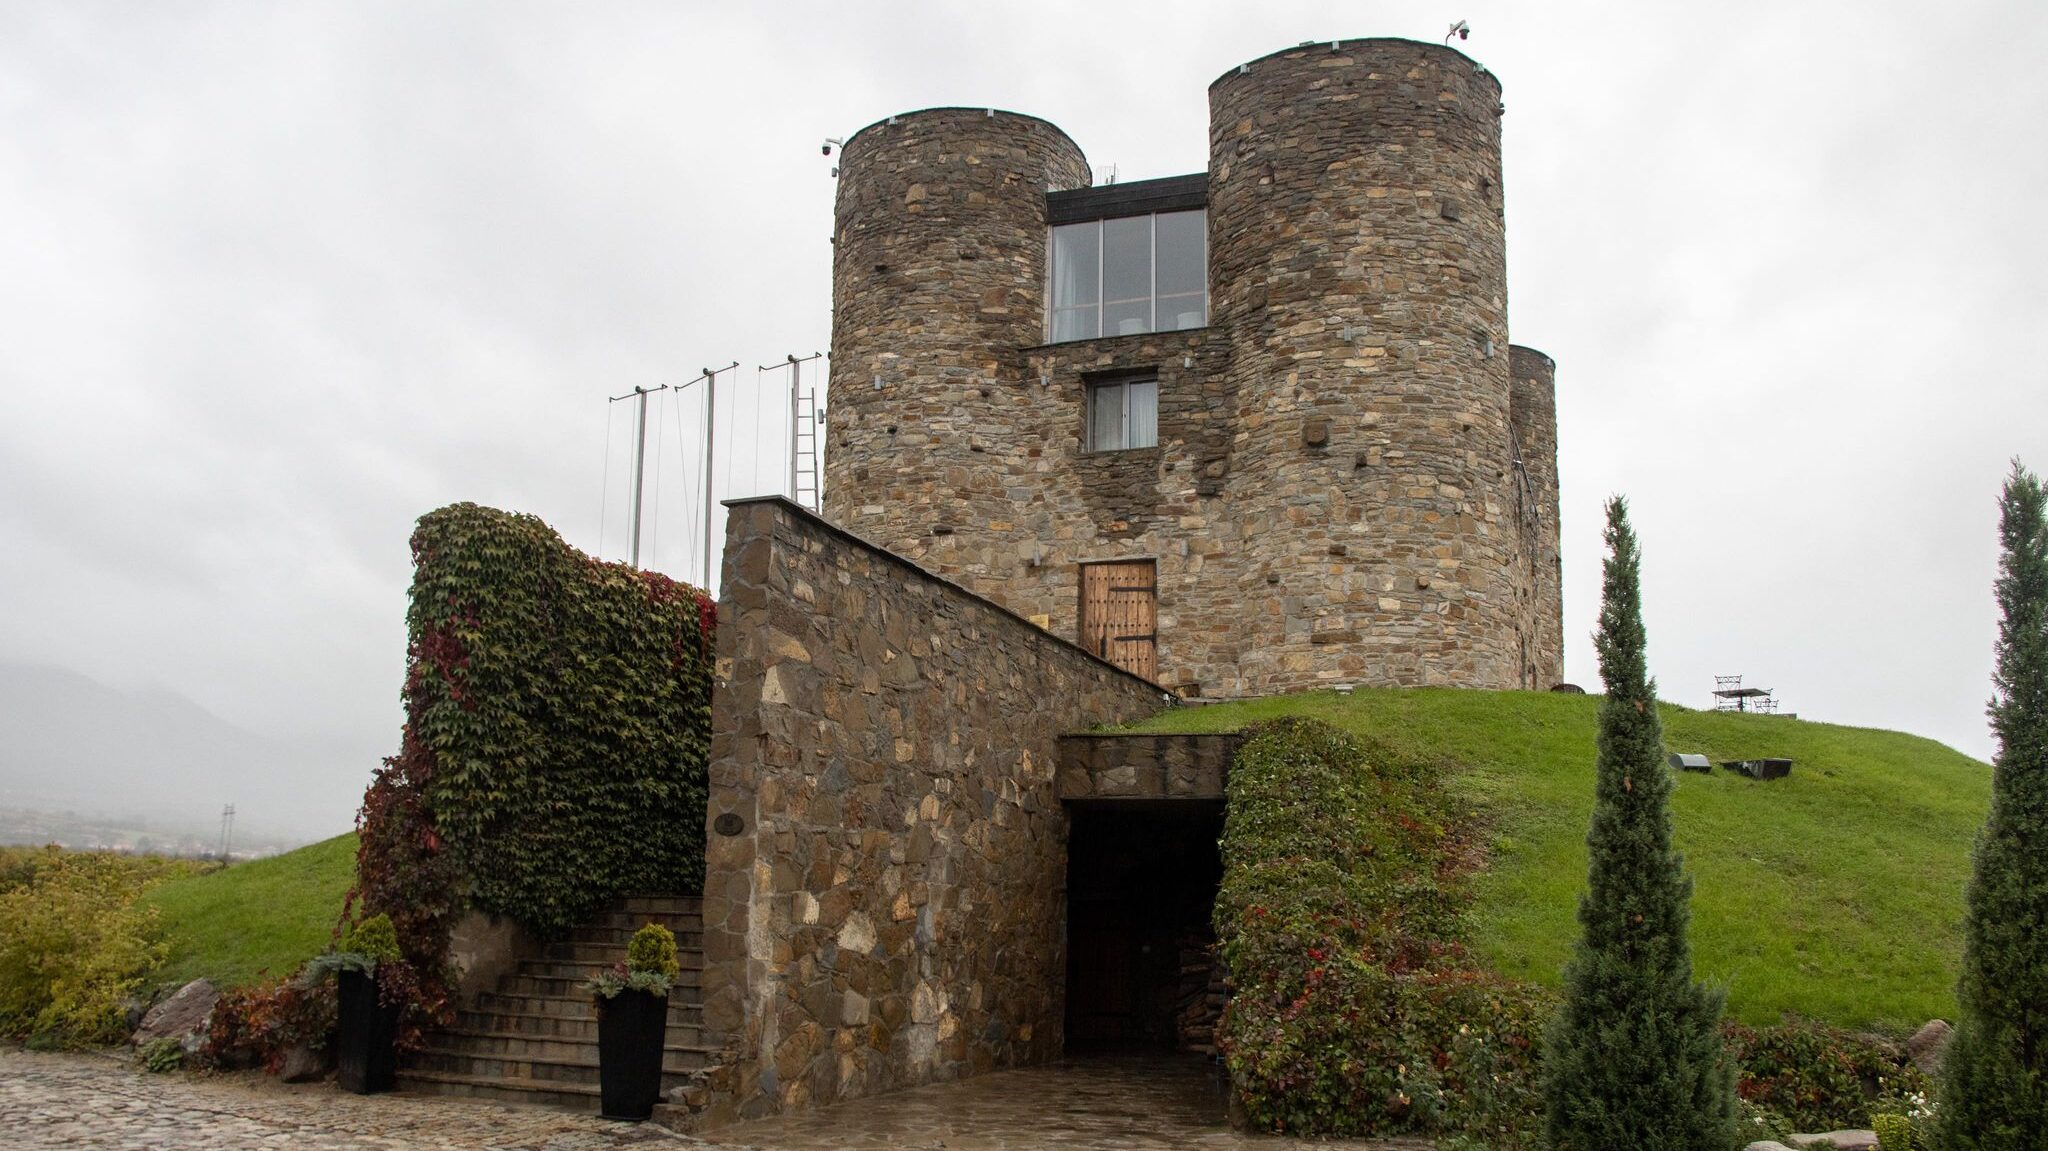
(1253,429)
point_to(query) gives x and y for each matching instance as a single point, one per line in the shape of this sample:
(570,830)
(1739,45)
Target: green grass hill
(268,915)
(1835,894)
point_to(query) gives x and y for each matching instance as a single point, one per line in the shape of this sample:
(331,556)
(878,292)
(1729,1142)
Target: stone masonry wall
(1541,564)
(1359,265)
(1333,496)
(885,897)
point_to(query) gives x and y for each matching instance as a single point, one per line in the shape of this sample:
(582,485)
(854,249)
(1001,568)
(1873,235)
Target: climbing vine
(557,730)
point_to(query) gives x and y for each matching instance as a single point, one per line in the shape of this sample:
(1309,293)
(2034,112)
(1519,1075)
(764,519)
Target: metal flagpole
(640,395)
(796,376)
(710,436)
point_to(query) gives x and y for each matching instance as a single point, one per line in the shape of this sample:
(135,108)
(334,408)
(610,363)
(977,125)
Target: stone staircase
(534,1039)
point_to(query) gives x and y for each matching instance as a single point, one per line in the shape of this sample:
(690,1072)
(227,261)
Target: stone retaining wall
(884,902)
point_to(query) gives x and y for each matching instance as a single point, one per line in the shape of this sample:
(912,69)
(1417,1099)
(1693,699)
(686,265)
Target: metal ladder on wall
(806,479)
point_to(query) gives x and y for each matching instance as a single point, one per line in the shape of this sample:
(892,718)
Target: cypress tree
(1634,1059)
(1994,1091)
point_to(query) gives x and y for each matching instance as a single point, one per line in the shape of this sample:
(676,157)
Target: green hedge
(1357,1010)
(558,726)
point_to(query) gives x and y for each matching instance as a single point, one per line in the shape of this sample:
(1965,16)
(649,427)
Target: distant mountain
(155,759)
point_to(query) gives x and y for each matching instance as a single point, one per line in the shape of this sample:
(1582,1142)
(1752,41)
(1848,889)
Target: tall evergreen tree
(1994,1093)
(1634,1061)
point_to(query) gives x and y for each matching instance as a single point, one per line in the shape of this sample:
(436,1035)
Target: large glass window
(1123,414)
(1130,275)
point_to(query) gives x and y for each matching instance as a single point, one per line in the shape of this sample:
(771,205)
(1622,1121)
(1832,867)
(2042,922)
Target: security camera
(1461,30)
(825,149)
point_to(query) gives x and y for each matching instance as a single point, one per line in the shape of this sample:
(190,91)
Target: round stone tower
(1541,568)
(1358,261)
(938,280)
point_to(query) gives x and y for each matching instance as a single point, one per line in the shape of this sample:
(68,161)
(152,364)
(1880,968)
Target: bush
(558,725)
(1819,1078)
(257,1026)
(1894,1132)
(1357,1011)
(374,939)
(74,945)
(653,949)
(162,1054)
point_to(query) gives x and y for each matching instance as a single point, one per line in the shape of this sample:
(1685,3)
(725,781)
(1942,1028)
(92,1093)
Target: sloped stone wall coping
(803,512)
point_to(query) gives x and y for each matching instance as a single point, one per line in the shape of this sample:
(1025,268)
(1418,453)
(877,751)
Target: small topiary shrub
(374,939)
(653,948)
(1357,1011)
(651,965)
(1894,1132)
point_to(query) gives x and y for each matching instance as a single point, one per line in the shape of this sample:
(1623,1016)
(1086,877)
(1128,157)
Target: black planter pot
(630,1028)
(366,1035)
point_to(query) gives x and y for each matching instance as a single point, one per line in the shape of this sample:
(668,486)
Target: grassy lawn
(1835,894)
(266,915)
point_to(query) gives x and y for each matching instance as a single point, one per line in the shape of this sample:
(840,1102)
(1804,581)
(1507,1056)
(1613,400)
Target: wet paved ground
(101,1102)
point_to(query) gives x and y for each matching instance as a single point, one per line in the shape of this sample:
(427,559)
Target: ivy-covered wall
(557,728)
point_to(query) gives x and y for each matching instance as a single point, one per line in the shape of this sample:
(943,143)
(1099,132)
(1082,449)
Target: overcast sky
(276,278)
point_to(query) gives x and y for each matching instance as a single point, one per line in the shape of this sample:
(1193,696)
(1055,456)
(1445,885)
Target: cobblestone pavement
(95,1102)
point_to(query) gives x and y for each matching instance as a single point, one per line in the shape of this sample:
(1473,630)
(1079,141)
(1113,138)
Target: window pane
(1127,260)
(1075,323)
(1183,256)
(1180,312)
(1076,250)
(1105,417)
(1142,431)
(1127,319)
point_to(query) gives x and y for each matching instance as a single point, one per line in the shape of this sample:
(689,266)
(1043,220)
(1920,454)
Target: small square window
(1123,414)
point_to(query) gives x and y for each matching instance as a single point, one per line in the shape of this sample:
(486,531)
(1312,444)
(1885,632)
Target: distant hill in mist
(156,760)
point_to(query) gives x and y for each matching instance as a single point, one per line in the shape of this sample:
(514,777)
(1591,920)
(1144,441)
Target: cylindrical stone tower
(938,280)
(1358,262)
(1533,410)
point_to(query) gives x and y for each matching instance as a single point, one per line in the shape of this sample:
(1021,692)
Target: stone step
(554,1048)
(527,1092)
(585,968)
(681,1008)
(682,923)
(571,986)
(692,937)
(687,1033)
(659,904)
(676,1066)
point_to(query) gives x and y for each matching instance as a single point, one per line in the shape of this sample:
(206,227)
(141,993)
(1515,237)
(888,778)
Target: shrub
(1356,1011)
(557,731)
(374,939)
(653,949)
(1894,1132)
(1819,1078)
(162,1054)
(1994,1092)
(74,944)
(258,1025)
(1634,1058)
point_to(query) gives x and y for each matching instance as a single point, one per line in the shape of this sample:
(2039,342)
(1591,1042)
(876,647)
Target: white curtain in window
(1143,428)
